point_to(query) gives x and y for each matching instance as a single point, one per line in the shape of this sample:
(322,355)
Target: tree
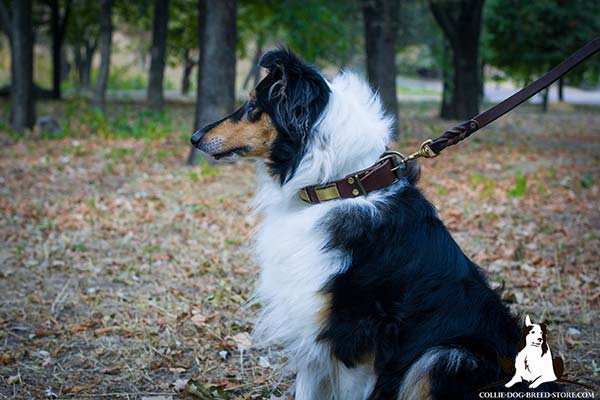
(317,30)
(19,28)
(526,39)
(216,69)
(58,29)
(106,28)
(189,62)
(182,46)
(82,34)
(160,21)
(381,31)
(461,24)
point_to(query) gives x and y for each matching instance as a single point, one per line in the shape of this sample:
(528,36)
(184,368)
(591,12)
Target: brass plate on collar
(304,195)
(328,193)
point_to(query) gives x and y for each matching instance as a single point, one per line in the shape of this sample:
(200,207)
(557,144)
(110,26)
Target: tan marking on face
(257,136)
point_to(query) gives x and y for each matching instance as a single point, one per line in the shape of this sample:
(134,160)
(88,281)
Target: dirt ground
(125,274)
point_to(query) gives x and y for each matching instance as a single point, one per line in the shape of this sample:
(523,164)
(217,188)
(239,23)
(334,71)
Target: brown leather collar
(388,170)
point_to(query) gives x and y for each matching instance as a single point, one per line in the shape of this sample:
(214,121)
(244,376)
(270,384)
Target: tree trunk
(57,29)
(159,50)
(77,58)
(22,95)
(545,99)
(99,98)
(5,24)
(561,92)
(85,76)
(381,30)
(188,65)
(461,23)
(216,67)
(447,83)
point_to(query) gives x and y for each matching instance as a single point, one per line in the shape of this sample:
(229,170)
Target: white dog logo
(534,362)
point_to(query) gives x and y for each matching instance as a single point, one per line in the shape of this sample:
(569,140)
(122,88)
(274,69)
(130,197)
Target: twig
(59,298)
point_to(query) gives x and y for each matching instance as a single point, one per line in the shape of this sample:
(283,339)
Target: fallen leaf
(243,340)
(198,319)
(180,385)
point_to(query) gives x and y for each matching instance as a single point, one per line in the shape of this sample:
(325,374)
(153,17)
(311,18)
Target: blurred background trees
(525,39)
(461,23)
(444,50)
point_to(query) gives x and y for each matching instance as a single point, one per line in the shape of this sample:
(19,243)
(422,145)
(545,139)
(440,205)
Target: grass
(486,183)
(79,119)
(520,188)
(126,274)
(411,91)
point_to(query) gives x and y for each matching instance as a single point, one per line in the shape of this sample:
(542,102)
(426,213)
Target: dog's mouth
(231,154)
(536,344)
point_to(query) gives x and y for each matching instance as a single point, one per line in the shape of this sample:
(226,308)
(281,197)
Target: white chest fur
(294,268)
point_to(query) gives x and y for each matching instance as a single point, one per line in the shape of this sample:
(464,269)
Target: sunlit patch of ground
(125,273)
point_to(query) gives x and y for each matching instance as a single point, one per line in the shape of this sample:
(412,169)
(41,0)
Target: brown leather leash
(391,166)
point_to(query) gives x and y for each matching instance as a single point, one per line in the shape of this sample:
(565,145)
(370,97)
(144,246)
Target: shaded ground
(125,274)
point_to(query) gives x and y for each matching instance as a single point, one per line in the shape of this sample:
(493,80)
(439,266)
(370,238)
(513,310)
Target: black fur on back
(293,94)
(409,288)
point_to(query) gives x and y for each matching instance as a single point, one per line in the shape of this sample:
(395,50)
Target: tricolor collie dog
(369,295)
(534,362)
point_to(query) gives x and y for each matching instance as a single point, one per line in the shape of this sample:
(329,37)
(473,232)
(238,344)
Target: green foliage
(416,59)
(83,120)
(525,39)
(320,31)
(520,188)
(183,29)
(208,170)
(420,40)
(487,184)
(122,78)
(134,14)
(587,180)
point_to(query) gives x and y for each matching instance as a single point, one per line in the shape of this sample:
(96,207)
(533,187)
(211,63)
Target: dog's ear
(285,61)
(528,321)
(272,59)
(293,94)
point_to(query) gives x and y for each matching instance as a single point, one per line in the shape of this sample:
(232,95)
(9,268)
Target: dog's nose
(539,339)
(197,138)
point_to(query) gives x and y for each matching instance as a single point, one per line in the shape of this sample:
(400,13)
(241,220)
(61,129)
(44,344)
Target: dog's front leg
(540,380)
(312,384)
(515,379)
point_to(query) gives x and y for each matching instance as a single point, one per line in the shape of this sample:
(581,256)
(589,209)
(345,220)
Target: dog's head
(274,124)
(533,335)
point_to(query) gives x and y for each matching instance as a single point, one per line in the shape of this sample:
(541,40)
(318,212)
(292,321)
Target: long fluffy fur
(290,242)
(370,297)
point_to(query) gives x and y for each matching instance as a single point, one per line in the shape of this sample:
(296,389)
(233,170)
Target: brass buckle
(424,151)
